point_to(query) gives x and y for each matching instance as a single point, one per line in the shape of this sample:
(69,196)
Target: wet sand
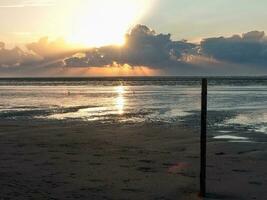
(78,160)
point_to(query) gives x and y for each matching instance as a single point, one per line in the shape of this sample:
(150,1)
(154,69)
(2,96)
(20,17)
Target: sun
(105,22)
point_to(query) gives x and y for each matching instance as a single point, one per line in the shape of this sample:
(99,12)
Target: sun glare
(105,22)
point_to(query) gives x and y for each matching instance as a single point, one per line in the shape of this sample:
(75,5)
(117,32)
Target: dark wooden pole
(203,143)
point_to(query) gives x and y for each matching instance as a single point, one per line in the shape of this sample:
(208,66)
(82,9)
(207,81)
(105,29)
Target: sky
(132,37)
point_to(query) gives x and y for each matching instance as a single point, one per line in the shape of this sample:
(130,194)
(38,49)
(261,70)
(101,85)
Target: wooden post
(203,143)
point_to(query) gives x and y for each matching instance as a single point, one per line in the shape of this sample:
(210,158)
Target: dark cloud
(245,54)
(41,58)
(15,56)
(143,48)
(250,48)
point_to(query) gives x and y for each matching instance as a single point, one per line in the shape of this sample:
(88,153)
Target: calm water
(237,107)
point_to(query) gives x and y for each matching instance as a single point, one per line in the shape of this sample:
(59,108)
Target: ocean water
(237,106)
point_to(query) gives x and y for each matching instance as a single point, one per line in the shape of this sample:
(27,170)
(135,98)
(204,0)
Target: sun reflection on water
(120,100)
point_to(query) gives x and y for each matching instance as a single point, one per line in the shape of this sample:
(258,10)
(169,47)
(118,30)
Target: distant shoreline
(135,78)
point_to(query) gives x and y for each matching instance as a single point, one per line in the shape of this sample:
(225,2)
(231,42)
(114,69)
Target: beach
(133,100)
(131,138)
(81,160)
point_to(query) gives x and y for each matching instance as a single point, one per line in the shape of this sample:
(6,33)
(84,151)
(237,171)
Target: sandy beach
(79,160)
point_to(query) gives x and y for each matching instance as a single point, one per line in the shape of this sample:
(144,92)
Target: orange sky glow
(116,70)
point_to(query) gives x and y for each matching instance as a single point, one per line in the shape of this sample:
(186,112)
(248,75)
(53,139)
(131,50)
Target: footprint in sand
(131,190)
(146,169)
(147,161)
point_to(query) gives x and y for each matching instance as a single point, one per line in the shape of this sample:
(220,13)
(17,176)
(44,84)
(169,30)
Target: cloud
(143,48)
(36,55)
(46,48)
(250,48)
(244,54)
(26,3)
(15,57)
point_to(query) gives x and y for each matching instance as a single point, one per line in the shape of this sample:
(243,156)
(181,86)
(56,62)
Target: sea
(237,106)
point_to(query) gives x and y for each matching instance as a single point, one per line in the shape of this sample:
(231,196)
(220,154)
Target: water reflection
(120,90)
(120,100)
